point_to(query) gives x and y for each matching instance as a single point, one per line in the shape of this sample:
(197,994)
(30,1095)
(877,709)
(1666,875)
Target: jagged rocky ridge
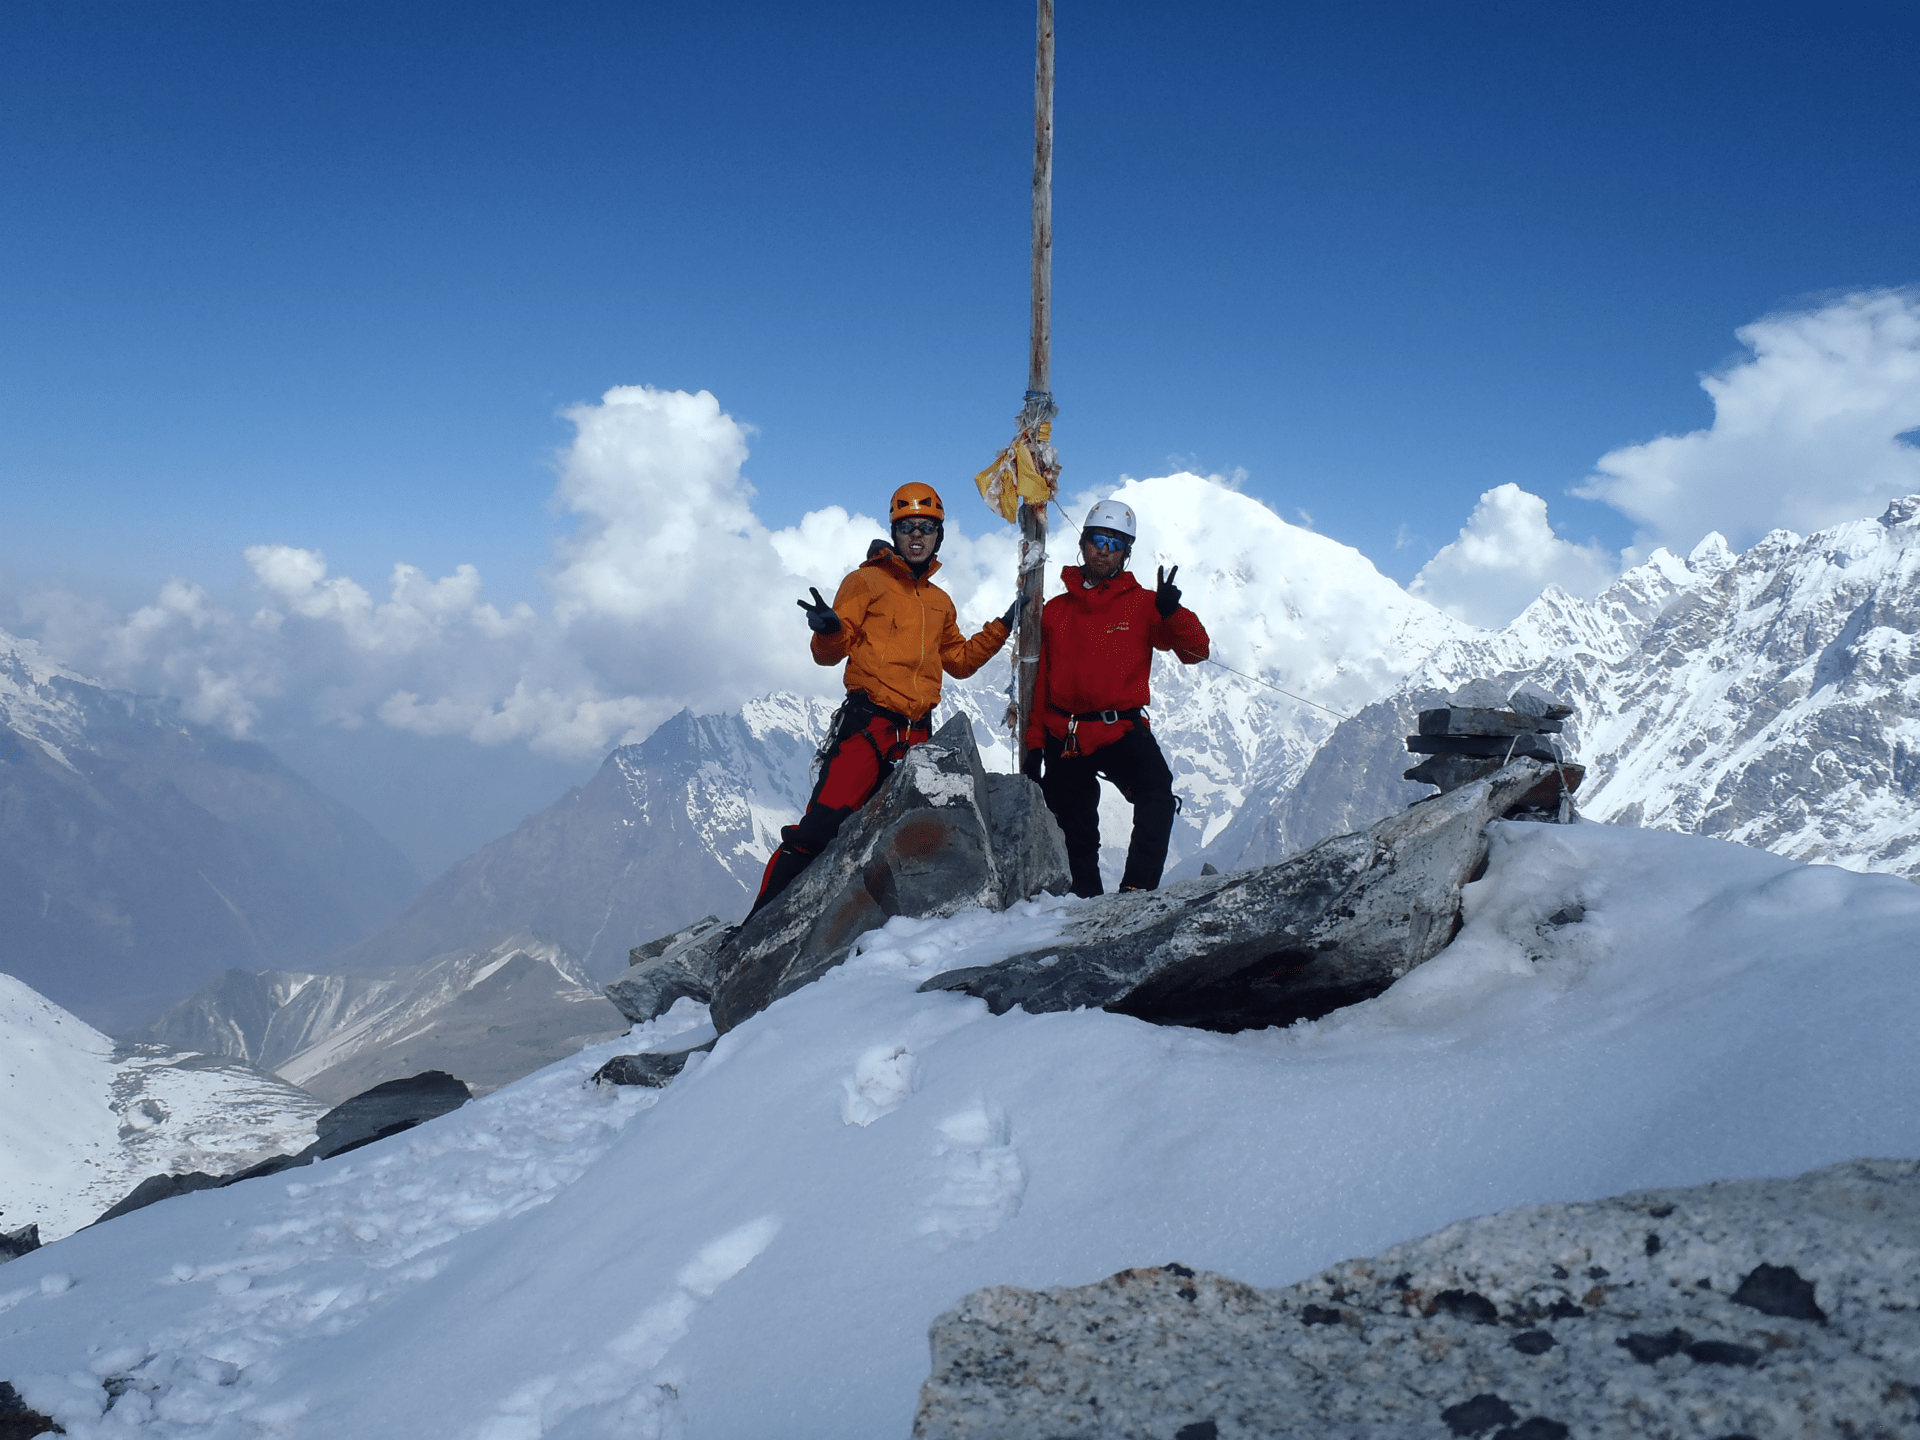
(1742,1307)
(1771,697)
(489,1016)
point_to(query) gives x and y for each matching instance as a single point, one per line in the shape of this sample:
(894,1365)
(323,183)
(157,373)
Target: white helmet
(1113,515)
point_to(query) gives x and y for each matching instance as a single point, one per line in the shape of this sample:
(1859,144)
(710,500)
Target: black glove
(1166,595)
(1012,617)
(1030,766)
(820,617)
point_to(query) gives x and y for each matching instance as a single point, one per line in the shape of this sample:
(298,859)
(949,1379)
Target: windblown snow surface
(758,1250)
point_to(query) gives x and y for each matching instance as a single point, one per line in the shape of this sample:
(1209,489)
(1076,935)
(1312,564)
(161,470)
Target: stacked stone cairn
(1481,728)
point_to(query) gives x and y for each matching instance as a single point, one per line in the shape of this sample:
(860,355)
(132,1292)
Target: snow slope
(758,1249)
(82,1123)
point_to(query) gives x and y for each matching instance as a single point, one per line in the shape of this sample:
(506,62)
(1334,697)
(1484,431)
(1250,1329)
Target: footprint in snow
(981,1178)
(881,1081)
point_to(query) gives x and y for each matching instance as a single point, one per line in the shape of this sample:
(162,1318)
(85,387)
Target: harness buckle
(1110,717)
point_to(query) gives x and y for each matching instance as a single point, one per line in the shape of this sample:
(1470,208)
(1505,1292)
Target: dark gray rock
(652,1070)
(939,837)
(155,1188)
(1779,1290)
(1328,928)
(674,967)
(387,1110)
(1470,720)
(15,1243)
(1363,1349)
(19,1420)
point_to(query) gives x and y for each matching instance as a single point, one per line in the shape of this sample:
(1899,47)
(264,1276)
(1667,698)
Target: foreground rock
(15,1243)
(1762,1308)
(372,1115)
(940,836)
(1330,927)
(675,967)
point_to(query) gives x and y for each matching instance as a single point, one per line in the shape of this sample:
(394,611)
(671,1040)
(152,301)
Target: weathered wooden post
(1036,419)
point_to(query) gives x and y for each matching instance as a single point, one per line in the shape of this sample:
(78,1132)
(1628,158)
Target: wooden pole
(1040,351)
(1039,406)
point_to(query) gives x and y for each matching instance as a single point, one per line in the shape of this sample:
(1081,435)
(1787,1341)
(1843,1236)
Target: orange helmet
(912,502)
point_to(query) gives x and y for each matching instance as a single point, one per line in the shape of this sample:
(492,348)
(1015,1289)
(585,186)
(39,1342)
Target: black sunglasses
(916,527)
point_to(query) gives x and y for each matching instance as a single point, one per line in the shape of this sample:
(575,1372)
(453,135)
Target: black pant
(1072,787)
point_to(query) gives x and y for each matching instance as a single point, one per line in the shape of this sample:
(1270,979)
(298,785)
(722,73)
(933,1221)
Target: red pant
(862,757)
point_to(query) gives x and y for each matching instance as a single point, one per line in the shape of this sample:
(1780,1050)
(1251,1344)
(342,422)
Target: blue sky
(326,275)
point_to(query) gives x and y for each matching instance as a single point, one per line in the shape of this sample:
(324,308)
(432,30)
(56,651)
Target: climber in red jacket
(1090,697)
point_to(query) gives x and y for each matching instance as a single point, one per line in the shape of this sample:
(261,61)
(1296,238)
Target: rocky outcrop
(1767,1308)
(1481,727)
(15,1243)
(654,1069)
(940,836)
(674,967)
(1333,926)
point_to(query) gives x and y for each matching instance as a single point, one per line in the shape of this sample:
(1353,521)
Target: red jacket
(1096,653)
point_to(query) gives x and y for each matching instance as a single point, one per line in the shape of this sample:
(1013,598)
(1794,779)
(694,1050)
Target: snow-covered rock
(939,836)
(82,1120)
(760,1247)
(1329,927)
(1749,1307)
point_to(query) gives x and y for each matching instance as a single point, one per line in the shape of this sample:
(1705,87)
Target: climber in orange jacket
(1090,698)
(897,631)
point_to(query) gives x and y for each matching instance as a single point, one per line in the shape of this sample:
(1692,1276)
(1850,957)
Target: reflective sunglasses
(1106,544)
(916,527)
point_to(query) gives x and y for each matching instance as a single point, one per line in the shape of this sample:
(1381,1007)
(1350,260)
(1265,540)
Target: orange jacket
(898,633)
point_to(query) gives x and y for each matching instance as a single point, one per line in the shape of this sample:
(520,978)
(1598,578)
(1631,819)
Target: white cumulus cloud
(1504,556)
(1805,431)
(669,592)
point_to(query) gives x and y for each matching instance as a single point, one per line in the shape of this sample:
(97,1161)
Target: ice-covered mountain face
(488,1016)
(670,829)
(1771,697)
(141,853)
(83,1121)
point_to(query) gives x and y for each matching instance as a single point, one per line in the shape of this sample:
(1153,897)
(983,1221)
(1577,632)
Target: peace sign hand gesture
(820,617)
(1166,595)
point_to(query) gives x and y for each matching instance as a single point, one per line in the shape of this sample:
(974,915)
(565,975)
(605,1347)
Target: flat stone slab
(1776,1309)
(1329,927)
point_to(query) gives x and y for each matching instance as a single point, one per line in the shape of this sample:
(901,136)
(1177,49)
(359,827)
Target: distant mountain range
(140,853)
(488,1016)
(1769,697)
